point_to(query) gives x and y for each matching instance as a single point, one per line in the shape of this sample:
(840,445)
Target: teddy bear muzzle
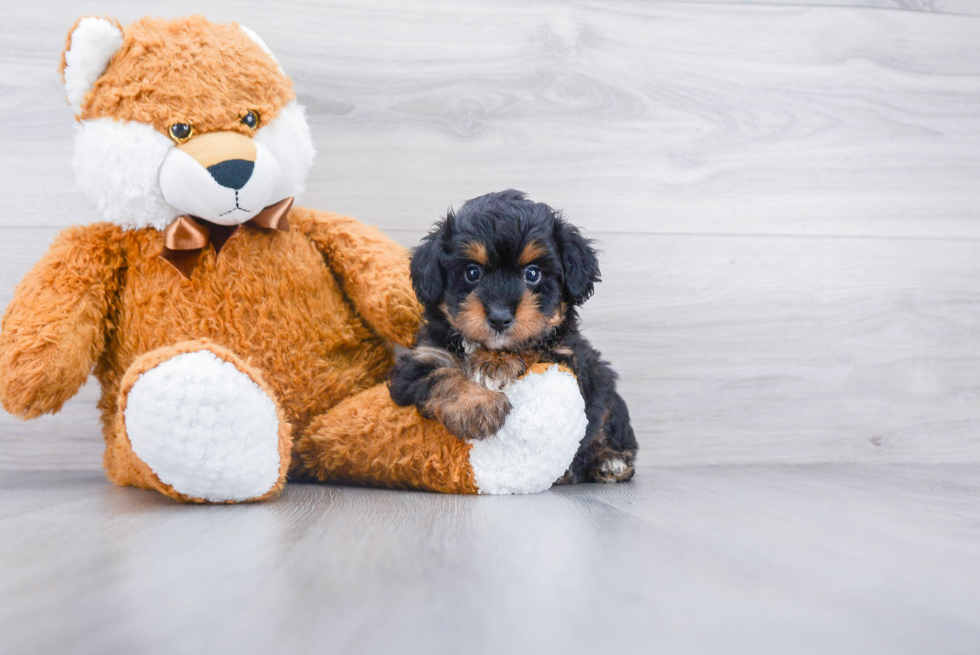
(222,177)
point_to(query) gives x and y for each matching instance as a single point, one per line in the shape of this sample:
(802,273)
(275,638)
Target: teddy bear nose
(232,173)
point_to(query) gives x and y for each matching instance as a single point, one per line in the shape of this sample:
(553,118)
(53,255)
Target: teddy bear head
(182,117)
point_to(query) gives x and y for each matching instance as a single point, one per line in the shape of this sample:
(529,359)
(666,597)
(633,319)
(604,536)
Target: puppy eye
(180,132)
(250,120)
(532,274)
(473,273)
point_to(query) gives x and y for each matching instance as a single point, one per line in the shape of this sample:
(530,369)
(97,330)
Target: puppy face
(503,270)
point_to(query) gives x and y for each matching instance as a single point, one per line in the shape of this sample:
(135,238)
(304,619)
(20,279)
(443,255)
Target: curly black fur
(509,312)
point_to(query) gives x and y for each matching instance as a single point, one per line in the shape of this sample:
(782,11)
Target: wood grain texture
(965,7)
(635,116)
(805,559)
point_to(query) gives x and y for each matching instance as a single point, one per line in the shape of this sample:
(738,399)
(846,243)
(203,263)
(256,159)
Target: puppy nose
(232,173)
(500,319)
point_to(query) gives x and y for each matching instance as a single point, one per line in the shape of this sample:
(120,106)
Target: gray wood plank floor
(809,559)
(786,195)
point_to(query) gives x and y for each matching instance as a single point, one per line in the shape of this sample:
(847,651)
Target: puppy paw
(477,414)
(494,369)
(613,466)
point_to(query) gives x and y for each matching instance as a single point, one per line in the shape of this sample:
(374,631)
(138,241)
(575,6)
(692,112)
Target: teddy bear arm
(54,328)
(373,270)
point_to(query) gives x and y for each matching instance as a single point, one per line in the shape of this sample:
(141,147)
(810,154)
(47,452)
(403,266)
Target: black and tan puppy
(500,280)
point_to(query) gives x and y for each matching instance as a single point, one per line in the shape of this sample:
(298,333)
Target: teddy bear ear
(259,42)
(91,44)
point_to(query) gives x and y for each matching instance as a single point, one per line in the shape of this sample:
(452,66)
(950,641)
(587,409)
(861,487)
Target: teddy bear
(238,337)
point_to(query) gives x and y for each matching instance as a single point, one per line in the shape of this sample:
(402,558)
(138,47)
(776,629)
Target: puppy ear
(579,261)
(92,42)
(428,274)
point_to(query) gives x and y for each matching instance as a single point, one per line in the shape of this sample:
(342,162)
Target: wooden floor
(732,559)
(787,196)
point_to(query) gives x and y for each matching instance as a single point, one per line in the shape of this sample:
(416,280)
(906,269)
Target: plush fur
(186,70)
(500,281)
(198,424)
(91,45)
(309,312)
(117,167)
(190,72)
(288,138)
(401,449)
(293,329)
(261,43)
(314,308)
(540,436)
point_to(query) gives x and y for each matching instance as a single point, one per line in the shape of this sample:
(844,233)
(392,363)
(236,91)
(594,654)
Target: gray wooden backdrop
(787,195)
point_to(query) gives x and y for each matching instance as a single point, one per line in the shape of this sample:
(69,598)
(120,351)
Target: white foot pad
(539,439)
(205,428)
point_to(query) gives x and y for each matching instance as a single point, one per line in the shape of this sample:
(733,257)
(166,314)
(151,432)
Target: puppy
(500,281)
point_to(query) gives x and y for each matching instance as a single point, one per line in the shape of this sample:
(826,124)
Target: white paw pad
(205,428)
(539,439)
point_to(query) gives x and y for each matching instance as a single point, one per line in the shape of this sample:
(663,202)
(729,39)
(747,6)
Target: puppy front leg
(468,410)
(409,382)
(434,382)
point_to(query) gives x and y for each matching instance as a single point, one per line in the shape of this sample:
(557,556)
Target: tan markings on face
(529,322)
(190,71)
(559,315)
(533,250)
(477,252)
(216,147)
(466,409)
(471,320)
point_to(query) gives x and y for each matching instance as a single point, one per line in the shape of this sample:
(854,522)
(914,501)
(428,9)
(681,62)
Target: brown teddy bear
(237,338)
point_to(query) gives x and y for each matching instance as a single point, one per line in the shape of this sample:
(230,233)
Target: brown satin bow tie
(186,237)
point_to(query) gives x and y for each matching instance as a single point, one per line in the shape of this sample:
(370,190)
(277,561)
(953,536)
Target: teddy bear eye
(180,132)
(250,120)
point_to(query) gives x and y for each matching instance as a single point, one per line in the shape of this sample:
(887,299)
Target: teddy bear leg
(198,424)
(369,440)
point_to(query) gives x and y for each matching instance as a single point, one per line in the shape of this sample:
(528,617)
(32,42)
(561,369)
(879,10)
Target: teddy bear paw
(205,428)
(539,439)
